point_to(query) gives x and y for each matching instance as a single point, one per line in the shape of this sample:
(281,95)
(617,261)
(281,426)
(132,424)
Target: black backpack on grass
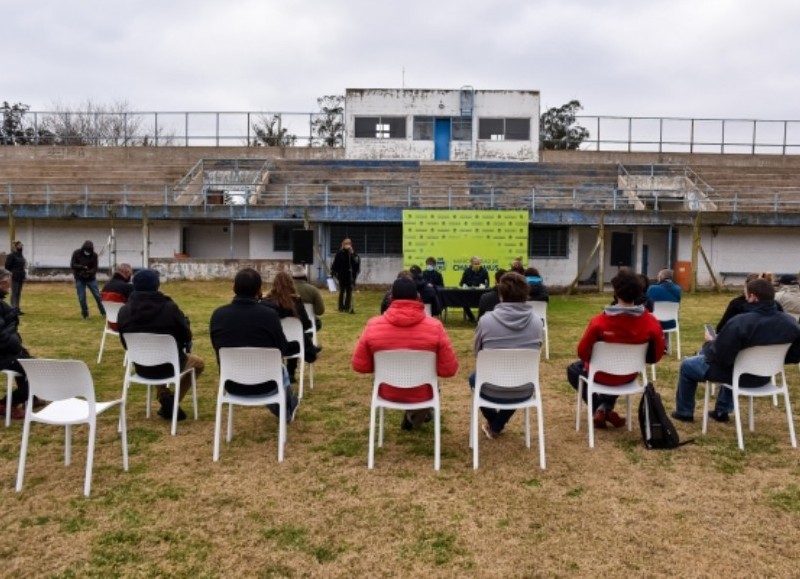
(657,429)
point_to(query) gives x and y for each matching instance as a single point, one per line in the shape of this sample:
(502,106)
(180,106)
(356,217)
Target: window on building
(380,127)
(548,241)
(282,235)
(385,239)
(511,129)
(423,128)
(462,129)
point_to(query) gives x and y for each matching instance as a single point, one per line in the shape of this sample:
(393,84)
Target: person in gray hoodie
(512,324)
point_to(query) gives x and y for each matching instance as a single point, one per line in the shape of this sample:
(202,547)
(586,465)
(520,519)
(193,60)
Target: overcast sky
(685,58)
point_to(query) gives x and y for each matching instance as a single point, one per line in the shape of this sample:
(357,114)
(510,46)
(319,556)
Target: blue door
(441,139)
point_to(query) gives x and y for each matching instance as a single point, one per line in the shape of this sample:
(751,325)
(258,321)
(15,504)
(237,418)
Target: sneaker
(18,412)
(615,419)
(599,419)
(487,430)
(406,424)
(165,412)
(681,417)
(419,417)
(719,416)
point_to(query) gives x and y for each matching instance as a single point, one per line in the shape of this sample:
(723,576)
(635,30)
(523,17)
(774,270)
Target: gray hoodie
(509,325)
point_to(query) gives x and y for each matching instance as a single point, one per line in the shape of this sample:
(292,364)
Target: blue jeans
(497,418)
(80,287)
(291,399)
(693,370)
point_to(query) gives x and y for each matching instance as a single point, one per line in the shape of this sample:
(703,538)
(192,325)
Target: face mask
(87,253)
(429,268)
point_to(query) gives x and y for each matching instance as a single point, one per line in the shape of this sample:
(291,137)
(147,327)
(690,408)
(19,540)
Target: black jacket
(346,266)
(118,285)
(472,278)
(10,340)
(761,324)
(246,323)
(15,263)
(83,266)
(299,312)
(155,313)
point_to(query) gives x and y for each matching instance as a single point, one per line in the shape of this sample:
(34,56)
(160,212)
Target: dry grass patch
(618,510)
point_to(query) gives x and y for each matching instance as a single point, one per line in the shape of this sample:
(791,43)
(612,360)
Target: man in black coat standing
(84,269)
(15,263)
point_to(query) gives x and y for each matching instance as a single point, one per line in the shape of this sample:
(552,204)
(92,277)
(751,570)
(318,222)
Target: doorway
(441,139)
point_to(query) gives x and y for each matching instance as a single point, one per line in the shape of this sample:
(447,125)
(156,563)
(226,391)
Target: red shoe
(18,412)
(599,419)
(615,419)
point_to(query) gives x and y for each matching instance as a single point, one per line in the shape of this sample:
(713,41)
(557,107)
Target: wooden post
(601,268)
(145,238)
(12,228)
(695,248)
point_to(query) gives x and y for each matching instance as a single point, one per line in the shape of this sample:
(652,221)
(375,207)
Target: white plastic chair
(10,377)
(250,366)
(68,385)
(112,311)
(668,312)
(153,350)
(507,369)
(428,310)
(314,339)
(404,369)
(758,361)
(618,359)
(293,330)
(540,309)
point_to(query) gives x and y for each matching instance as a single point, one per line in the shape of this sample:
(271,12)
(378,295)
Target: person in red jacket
(405,326)
(621,323)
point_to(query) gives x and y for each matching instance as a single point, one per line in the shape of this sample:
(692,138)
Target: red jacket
(622,325)
(405,326)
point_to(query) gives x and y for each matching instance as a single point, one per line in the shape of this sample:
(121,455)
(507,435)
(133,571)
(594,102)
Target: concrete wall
(440,103)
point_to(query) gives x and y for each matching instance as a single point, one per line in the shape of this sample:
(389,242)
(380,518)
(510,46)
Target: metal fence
(232,128)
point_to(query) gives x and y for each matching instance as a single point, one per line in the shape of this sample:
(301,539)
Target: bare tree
(269,133)
(328,124)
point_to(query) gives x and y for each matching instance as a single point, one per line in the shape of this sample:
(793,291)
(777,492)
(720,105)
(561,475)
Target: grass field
(705,509)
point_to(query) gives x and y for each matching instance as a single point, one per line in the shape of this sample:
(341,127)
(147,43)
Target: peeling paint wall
(440,103)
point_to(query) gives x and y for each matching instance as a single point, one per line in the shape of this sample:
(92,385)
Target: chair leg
(589,418)
(380,427)
(540,421)
(578,406)
(751,415)
(87,484)
(124,426)
(628,418)
(789,420)
(281,426)
(176,403)
(102,345)
(437,439)
(527,427)
(371,455)
(474,433)
(23,452)
(737,411)
(194,392)
(9,392)
(705,407)
(217,430)
(67,445)
(229,432)
(301,365)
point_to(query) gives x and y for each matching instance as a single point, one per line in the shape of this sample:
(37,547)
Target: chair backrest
(761,360)
(508,368)
(618,359)
(293,330)
(55,380)
(112,310)
(539,308)
(666,311)
(152,350)
(405,368)
(428,310)
(310,313)
(250,365)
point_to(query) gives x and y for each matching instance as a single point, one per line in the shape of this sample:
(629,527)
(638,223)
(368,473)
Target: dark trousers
(345,296)
(577,369)
(16,292)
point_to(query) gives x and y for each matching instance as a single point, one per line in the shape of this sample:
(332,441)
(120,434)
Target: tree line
(117,125)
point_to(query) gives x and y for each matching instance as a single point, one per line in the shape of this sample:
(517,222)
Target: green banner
(453,237)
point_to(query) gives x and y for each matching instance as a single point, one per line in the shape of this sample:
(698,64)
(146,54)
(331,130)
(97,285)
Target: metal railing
(235,128)
(355,194)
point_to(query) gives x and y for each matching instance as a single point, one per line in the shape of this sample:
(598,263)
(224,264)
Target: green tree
(557,128)
(269,133)
(14,130)
(328,124)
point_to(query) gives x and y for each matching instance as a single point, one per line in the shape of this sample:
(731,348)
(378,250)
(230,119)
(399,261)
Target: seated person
(118,288)
(474,276)
(387,297)
(642,299)
(432,275)
(491,298)
(536,290)
(788,295)
(516,266)
(427,292)
(665,290)
(738,304)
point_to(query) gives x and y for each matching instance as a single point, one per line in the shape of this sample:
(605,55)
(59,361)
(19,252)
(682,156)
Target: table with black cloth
(456,297)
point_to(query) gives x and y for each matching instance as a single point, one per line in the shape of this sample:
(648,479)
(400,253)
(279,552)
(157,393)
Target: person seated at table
(536,290)
(474,276)
(516,266)
(427,292)
(432,275)
(491,298)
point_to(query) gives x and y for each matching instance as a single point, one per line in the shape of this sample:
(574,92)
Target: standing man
(511,324)
(308,293)
(248,323)
(405,326)
(761,324)
(150,311)
(15,263)
(345,268)
(84,269)
(475,276)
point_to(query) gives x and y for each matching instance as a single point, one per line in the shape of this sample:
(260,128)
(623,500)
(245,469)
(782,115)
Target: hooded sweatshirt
(622,325)
(509,325)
